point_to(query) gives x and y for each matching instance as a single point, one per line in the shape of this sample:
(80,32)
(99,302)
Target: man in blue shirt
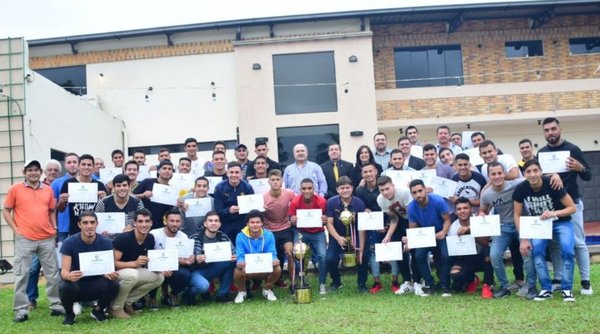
(301,169)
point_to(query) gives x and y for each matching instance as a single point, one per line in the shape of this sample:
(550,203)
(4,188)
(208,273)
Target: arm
(333,233)
(569,209)
(63,197)
(321,181)
(512,173)
(8,218)
(66,273)
(142,260)
(442,234)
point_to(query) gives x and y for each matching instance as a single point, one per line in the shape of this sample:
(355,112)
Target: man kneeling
(253,239)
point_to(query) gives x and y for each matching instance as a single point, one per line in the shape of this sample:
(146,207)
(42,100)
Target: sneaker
(543,295)
(503,292)
(424,292)
(446,292)
(152,304)
(129,309)
(223,299)
(486,292)
(531,293)
(120,314)
(268,293)
(21,318)
(568,296)
(363,289)
(69,319)
(515,286)
(472,287)
(240,297)
(406,287)
(335,287)
(395,287)
(523,291)
(98,314)
(586,288)
(376,288)
(77,308)
(281,284)
(139,305)
(418,288)
(322,289)
(556,285)
(57,312)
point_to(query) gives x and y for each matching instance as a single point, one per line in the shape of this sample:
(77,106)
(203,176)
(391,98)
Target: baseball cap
(30,163)
(241,146)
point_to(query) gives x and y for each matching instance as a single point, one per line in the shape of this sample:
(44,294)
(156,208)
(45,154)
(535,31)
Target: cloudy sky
(34,19)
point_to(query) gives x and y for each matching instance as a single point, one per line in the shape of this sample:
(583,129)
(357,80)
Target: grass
(344,311)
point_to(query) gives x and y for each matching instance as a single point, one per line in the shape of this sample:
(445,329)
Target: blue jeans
(32,282)
(582,254)
(374,237)
(441,252)
(318,244)
(563,231)
(508,232)
(201,277)
(334,252)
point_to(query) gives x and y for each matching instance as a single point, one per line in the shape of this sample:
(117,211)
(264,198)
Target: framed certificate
(197,207)
(83,192)
(485,226)
(164,194)
(107,174)
(442,186)
(392,251)
(97,263)
(217,251)
(260,186)
(163,260)
(248,203)
(554,162)
(184,246)
(461,245)
(370,220)
(421,237)
(112,222)
(535,228)
(309,218)
(212,183)
(259,263)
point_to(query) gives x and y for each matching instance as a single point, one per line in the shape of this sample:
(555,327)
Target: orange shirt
(31,209)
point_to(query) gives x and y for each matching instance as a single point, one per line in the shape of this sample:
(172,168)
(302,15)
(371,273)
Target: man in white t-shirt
(489,153)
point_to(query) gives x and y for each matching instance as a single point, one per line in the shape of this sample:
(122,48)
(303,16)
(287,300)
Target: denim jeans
(34,276)
(334,252)
(508,233)
(582,254)
(563,231)
(374,237)
(201,277)
(440,252)
(318,244)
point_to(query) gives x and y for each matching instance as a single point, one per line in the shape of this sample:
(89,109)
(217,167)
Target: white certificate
(163,260)
(143,173)
(217,252)
(535,228)
(112,222)
(198,171)
(212,183)
(184,246)
(309,218)
(392,251)
(461,245)
(400,178)
(97,263)
(485,226)
(474,157)
(248,203)
(260,186)
(259,263)
(83,192)
(426,176)
(554,162)
(421,237)
(164,194)
(370,220)
(182,181)
(197,207)
(107,174)
(443,187)
(416,151)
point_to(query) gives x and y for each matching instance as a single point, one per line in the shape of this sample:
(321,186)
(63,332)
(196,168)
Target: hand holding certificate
(97,263)
(184,246)
(163,260)
(111,222)
(217,251)
(107,174)
(554,162)
(164,194)
(421,237)
(535,228)
(392,251)
(248,203)
(370,220)
(485,226)
(80,192)
(197,207)
(461,245)
(309,218)
(259,263)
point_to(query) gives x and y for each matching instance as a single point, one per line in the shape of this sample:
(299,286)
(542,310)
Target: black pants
(100,288)
(469,265)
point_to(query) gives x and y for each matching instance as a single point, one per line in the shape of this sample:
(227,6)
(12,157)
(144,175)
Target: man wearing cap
(164,174)
(29,210)
(241,154)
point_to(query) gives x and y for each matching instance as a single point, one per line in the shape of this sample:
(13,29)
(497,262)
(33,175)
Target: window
(179,148)
(304,83)
(428,66)
(578,46)
(72,78)
(316,138)
(520,49)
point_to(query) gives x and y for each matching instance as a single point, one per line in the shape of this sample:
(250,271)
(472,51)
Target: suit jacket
(416,163)
(344,168)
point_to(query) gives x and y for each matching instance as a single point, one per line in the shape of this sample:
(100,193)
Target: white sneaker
(406,287)
(586,288)
(322,289)
(269,295)
(240,297)
(77,308)
(418,288)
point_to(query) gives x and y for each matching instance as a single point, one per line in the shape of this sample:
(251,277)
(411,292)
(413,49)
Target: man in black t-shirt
(144,189)
(120,201)
(131,258)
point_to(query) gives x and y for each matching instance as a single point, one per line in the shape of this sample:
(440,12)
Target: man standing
(412,133)
(118,158)
(430,210)
(76,285)
(164,174)
(131,169)
(335,168)
(192,225)
(184,166)
(218,146)
(191,151)
(396,162)
(526,150)
(410,160)
(131,260)
(261,169)
(443,137)
(456,139)
(469,183)
(381,152)
(431,162)
(71,169)
(121,201)
(253,239)
(241,154)
(489,153)
(219,163)
(577,167)
(29,211)
(301,169)
(98,164)
(139,156)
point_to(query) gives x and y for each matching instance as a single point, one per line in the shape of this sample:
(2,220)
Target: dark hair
(142,212)
(462,200)
(131,162)
(429,147)
(163,149)
(218,152)
(383,180)
(254,214)
(494,164)
(475,134)
(219,142)
(174,211)
(360,148)
(403,138)
(87,213)
(442,149)
(342,181)
(411,127)
(211,213)
(332,144)
(233,164)
(528,164)
(190,140)
(416,182)
(486,143)
(274,172)
(120,178)
(139,150)
(185,159)
(461,156)
(548,120)
(87,157)
(200,178)
(456,134)
(260,157)
(442,127)
(525,141)
(372,164)
(259,143)
(307,180)
(380,134)
(112,154)
(396,151)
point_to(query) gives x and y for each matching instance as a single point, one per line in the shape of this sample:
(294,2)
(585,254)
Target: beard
(553,140)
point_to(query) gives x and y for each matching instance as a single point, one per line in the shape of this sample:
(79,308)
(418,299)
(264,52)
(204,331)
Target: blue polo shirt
(431,214)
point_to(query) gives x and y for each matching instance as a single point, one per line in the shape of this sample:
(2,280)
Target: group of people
(42,212)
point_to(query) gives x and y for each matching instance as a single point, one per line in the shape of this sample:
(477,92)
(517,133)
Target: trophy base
(349,260)
(303,296)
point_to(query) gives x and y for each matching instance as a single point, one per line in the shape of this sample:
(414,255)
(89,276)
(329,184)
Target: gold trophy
(349,257)
(302,289)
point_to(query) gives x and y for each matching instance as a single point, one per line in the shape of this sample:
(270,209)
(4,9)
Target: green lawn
(342,312)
